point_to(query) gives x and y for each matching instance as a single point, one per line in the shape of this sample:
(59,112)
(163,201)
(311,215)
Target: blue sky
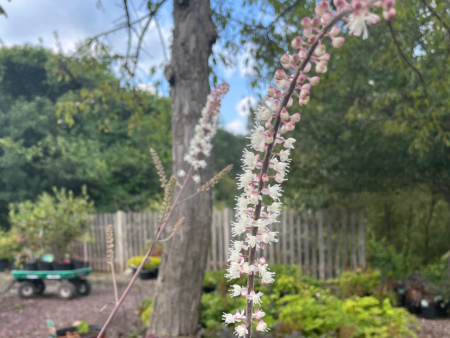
(30,20)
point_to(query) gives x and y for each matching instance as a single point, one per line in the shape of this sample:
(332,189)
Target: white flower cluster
(205,130)
(258,207)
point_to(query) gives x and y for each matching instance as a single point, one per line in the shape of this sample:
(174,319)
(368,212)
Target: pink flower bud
(301,78)
(269,139)
(265,191)
(320,50)
(321,67)
(307,68)
(290,126)
(276,106)
(284,114)
(283,129)
(325,57)
(280,74)
(304,94)
(265,178)
(390,14)
(290,102)
(296,117)
(325,18)
(315,22)
(296,42)
(374,19)
(312,38)
(302,53)
(295,58)
(285,59)
(357,5)
(388,4)
(306,86)
(270,91)
(339,3)
(279,178)
(338,42)
(277,94)
(306,23)
(314,81)
(307,32)
(268,125)
(335,31)
(262,261)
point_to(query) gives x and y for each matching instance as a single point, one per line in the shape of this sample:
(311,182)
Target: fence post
(120,223)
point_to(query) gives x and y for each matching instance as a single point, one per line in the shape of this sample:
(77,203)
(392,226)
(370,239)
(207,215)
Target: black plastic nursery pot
(44,266)
(94,328)
(148,274)
(415,310)
(4,264)
(80,265)
(30,266)
(61,266)
(429,312)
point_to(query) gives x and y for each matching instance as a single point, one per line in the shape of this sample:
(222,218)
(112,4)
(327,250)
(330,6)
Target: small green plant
(145,309)
(152,264)
(359,282)
(83,327)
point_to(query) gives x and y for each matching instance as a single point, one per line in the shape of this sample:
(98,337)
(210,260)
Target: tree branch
(404,57)
(436,14)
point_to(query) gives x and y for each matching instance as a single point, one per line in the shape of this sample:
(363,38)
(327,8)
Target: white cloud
(244,105)
(237,126)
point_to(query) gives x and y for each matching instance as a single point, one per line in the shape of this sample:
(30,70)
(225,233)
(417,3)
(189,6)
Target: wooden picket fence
(322,242)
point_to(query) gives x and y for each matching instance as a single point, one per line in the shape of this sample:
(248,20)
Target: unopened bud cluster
(205,130)
(258,207)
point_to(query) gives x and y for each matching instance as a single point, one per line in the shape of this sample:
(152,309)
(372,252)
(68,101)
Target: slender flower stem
(268,155)
(114,282)
(145,257)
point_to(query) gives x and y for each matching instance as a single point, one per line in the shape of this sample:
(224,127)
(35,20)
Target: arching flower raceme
(259,206)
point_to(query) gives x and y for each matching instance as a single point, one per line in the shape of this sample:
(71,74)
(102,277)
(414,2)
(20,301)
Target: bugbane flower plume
(266,164)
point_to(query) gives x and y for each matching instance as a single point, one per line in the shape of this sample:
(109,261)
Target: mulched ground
(21,318)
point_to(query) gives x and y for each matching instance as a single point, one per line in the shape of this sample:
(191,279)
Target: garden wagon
(32,282)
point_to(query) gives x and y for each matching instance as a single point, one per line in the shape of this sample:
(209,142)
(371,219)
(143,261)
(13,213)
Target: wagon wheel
(40,286)
(83,287)
(27,290)
(66,290)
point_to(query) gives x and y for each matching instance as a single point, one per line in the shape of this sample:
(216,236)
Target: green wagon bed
(31,283)
(51,274)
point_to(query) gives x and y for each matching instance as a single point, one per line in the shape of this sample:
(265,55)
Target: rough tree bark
(176,304)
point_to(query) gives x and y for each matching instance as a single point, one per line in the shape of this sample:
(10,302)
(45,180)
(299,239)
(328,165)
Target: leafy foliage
(9,244)
(52,223)
(136,261)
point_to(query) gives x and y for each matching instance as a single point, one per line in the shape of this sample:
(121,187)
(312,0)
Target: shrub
(315,313)
(136,261)
(145,309)
(9,243)
(359,282)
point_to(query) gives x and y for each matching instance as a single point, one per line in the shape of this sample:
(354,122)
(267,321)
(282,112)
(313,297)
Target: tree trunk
(176,305)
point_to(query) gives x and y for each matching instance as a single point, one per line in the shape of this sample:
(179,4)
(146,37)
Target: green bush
(314,312)
(359,282)
(436,273)
(136,261)
(9,243)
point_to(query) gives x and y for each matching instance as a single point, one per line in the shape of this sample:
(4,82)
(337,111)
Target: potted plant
(80,329)
(428,307)
(8,244)
(53,223)
(150,269)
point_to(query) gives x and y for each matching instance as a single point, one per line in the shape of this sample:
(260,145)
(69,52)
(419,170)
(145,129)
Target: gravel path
(20,318)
